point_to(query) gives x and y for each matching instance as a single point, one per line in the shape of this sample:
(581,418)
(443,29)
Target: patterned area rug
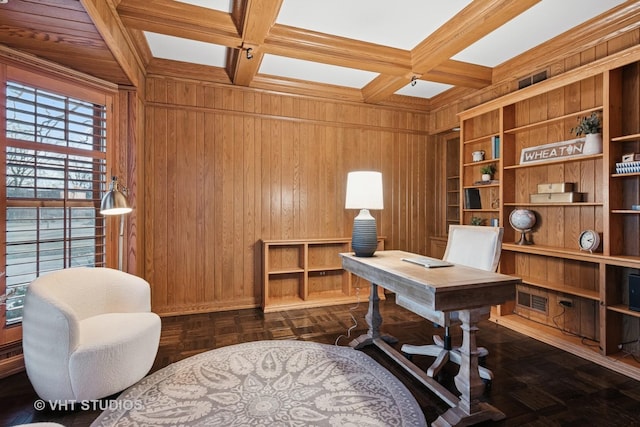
(270,383)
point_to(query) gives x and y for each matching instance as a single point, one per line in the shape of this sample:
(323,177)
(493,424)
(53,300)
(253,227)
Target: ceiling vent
(532,79)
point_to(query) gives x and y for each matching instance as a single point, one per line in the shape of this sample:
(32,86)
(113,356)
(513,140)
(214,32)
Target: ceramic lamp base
(364,240)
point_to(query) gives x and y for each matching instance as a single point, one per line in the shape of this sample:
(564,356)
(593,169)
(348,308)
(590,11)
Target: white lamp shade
(364,190)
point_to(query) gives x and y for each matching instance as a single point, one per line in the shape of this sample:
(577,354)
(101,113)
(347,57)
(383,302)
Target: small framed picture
(630,157)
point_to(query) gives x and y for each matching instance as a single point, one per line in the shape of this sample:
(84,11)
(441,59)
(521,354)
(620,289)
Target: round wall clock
(589,240)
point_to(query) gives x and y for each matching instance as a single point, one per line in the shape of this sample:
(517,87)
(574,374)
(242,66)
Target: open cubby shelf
(304,273)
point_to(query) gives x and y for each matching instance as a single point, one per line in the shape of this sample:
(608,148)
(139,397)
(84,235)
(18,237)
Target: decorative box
(555,187)
(567,197)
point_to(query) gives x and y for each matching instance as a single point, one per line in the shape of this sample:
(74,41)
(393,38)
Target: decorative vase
(478,156)
(486,177)
(592,143)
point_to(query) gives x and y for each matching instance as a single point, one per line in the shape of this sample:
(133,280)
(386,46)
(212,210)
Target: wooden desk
(458,288)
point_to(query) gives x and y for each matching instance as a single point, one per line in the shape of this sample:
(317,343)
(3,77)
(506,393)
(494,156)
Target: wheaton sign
(554,151)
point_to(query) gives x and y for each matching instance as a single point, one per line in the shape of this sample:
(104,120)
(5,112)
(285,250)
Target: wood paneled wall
(226,167)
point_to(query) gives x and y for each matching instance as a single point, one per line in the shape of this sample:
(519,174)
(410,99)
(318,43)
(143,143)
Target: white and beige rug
(268,383)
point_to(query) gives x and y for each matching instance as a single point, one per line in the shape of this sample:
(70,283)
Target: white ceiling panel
(315,71)
(541,23)
(423,89)
(178,49)
(401,23)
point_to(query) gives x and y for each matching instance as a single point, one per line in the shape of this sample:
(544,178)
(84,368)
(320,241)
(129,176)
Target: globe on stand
(522,220)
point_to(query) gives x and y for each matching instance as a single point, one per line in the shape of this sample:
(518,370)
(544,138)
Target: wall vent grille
(539,303)
(532,79)
(532,302)
(524,299)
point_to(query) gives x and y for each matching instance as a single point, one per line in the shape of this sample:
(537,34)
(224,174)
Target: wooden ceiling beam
(472,23)
(468,26)
(181,20)
(458,73)
(205,73)
(301,87)
(108,24)
(334,50)
(259,17)
(383,86)
(244,64)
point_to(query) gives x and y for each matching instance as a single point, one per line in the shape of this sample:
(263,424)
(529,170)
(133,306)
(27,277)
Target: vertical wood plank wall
(226,167)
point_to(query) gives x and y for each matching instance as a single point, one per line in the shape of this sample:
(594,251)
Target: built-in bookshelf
(574,299)
(452,180)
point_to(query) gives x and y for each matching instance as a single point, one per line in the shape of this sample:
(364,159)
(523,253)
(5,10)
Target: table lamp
(364,192)
(114,202)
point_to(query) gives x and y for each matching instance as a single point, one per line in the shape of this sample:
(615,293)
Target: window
(55,149)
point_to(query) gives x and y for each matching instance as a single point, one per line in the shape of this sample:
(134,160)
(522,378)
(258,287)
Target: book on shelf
(472,198)
(495,147)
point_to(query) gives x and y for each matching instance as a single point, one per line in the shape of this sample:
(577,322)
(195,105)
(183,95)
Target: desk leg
(470,409)
(374,320)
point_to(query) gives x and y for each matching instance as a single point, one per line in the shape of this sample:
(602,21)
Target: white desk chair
(472,246)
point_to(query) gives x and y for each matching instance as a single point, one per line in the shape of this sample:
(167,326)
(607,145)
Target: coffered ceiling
(364,50)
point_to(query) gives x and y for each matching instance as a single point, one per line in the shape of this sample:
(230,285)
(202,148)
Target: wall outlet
(565,302)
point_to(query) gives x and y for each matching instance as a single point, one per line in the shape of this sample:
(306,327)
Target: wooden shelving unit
(446,190)
(595,285)
(308,273)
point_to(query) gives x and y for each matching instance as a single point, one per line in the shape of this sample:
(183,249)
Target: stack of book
(628,167)
(558,192)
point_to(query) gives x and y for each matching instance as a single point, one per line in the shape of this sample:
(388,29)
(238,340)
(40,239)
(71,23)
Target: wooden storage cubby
(477,135)
(599,321)
(452,171)
(308,273)
(446,187)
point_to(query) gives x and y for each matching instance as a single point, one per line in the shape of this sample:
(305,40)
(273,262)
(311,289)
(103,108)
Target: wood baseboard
(11,365)
(616,362)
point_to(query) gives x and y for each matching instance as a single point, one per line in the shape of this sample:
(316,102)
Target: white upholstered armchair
(88,333)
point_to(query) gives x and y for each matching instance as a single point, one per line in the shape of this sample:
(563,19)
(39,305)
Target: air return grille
(533,302)
(532,79)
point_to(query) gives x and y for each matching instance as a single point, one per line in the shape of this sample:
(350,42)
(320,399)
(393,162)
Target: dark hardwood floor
(535,384)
